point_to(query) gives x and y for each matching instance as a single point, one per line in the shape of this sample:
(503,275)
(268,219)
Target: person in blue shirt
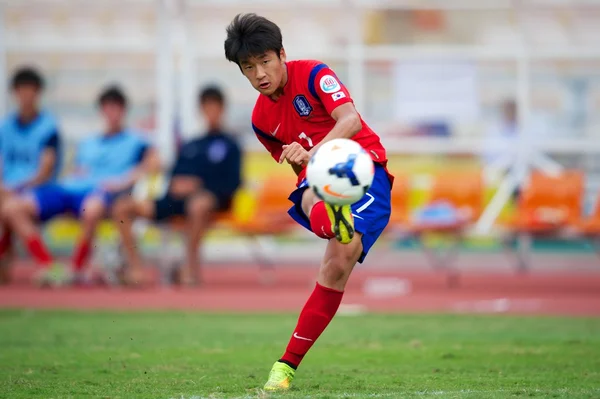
(29,149)
(203,181)
(105,166)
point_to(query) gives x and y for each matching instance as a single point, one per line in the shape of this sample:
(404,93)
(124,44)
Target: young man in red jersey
(302,104)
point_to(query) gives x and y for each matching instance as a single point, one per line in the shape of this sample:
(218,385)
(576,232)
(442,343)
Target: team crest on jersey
(329,84)
(302,106)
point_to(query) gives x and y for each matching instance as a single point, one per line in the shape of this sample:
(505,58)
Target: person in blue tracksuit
(106,165)
(30,145)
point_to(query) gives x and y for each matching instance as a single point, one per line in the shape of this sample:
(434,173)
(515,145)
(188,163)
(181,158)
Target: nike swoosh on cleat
(302,338)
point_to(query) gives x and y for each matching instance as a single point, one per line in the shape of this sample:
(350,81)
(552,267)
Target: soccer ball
(340,172)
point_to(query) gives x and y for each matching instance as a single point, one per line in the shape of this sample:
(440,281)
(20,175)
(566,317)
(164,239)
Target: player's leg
(6,247)
(91,211)
(199,211)
(319,309)
(372,215)
(125,210)
(21,214)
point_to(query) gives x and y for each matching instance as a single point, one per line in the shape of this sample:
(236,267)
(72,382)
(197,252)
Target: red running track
(238,289)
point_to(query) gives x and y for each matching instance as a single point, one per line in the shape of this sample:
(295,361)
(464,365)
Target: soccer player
(204,180)
(29,149)
(106,165)
(301,105)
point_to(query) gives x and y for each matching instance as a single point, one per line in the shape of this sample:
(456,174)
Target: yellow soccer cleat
(342,222)
(280,377)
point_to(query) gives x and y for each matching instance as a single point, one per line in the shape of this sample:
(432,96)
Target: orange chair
(590,226)
(549,204)
(400,195)
(272,204)
(548,207)
(462,190)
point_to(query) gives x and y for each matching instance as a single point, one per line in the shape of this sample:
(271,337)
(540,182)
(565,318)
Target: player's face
(266,72)
(213,113)
(113,115)
(27,97)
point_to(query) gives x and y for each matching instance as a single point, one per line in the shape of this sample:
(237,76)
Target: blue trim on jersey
(371,213)
(312,77)
(265,135)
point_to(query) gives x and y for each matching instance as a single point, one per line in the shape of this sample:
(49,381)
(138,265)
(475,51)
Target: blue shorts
(371,213)
(53,200)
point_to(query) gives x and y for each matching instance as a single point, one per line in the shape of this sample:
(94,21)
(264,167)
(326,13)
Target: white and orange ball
(340,172)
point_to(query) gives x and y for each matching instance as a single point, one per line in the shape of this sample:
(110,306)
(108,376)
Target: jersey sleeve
(271,143)
(326,87)
(143,150)
(53,141)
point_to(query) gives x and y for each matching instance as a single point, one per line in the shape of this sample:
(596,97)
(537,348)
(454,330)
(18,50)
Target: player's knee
(93,210)
(339,263)
(201,206)
(12,207)
(336,269)
(122,208)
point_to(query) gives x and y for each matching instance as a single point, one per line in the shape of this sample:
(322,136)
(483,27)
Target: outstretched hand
(295,154)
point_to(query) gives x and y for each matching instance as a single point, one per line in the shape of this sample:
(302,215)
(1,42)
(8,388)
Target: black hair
(113,94)
(27,76)
(211,93)
(250,35)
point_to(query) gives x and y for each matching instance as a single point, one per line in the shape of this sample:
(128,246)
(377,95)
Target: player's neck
(214,128)
(28,115)
(113,130)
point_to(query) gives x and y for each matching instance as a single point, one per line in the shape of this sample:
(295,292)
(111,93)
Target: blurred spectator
(503,134)
(506,146)
(29,149)
(106,165)
(206,175)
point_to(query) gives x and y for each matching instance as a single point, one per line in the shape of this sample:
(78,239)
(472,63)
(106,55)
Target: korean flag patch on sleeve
(337,96)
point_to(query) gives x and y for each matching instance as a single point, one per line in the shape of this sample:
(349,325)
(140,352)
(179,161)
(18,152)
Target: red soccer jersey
(303,112)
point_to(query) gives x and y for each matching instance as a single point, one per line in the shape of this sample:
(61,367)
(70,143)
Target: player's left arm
(347,124)
(327,88)
(148,157)
(48,161)
(336,99)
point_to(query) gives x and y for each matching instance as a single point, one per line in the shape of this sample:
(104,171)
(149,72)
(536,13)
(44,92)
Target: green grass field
(175,355)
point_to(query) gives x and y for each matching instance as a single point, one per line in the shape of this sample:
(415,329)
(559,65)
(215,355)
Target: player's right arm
(48,161)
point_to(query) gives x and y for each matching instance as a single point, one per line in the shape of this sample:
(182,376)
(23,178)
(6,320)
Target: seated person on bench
(29,150)
(106,165)
(204,180)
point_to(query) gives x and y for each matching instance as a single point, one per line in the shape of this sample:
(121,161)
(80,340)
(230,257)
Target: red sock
(38,250)
(319,221)
(5,241)
(314,318)
(81,254)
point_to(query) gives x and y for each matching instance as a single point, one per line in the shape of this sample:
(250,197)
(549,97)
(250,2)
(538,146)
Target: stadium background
(431,79)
